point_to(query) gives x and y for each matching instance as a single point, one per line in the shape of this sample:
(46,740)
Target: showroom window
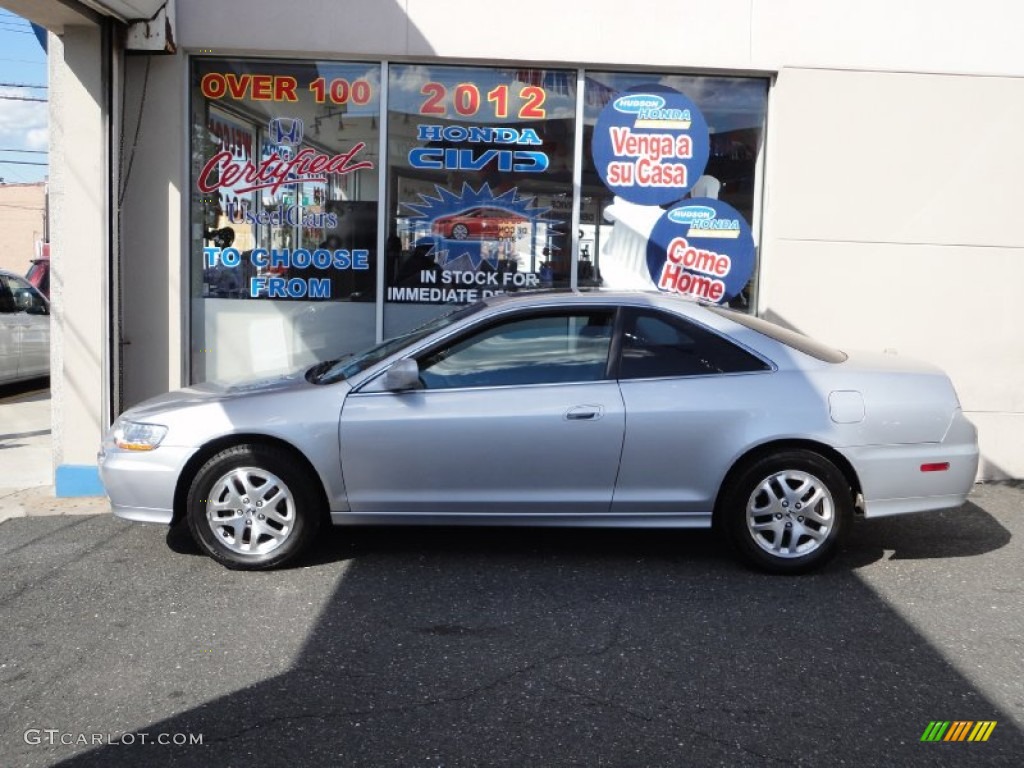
(285,163)
(620,222)
(337,204)
(480,190)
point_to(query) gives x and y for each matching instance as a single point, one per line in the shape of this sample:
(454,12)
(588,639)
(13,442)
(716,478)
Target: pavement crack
(605,703)
(453,697)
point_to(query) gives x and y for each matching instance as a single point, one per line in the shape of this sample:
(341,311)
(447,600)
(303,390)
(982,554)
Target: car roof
(555,297)
(780,353)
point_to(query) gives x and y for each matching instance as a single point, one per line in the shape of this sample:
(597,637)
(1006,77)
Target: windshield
(331,371)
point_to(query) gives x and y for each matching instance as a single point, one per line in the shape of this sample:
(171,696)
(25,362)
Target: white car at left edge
(24,330)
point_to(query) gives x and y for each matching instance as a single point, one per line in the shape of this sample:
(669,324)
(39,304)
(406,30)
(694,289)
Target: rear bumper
(893,483)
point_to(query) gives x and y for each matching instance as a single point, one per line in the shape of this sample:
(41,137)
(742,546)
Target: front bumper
(141,484)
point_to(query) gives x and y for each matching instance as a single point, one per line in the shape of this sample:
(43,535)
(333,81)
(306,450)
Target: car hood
(212,392)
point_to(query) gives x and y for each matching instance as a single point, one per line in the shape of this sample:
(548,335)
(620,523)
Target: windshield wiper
(315,372)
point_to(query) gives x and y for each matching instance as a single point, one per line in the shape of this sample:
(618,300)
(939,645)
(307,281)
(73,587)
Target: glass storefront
(612,229)
(479,159)
(285,167)
(328,212)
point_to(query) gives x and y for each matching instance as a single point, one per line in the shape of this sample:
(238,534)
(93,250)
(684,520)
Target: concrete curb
(40,501)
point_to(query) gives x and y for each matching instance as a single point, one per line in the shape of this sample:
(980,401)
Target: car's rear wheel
(786,512)
(253,507)
(460,232)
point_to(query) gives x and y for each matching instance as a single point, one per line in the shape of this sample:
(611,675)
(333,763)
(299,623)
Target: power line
(22,98)
(20,162)
(19,30)
(27,151)
(24,85)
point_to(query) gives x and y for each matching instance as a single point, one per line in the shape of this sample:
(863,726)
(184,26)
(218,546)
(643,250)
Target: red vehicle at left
(480,223)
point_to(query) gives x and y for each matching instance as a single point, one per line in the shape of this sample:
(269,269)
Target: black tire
(786,512)
(236,525)
(460,232)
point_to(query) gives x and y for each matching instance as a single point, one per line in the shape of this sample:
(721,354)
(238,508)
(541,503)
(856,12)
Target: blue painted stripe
(78,480)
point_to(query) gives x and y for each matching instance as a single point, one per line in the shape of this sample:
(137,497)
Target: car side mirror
(402,376)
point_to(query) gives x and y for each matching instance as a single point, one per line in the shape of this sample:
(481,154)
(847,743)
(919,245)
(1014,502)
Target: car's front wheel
(460,232)
(253,507)
(786,512)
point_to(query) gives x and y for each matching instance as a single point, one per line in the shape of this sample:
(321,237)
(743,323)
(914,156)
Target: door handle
(584,413)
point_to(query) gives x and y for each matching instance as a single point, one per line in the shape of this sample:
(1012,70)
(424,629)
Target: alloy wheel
(790,514)
(250,511)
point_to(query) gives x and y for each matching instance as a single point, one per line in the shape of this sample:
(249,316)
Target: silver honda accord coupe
(587,409)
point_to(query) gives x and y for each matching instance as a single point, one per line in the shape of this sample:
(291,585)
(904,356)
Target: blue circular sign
(703,249)
(650,145)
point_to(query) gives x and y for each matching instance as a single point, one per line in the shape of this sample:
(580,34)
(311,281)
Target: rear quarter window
(797,341)
(656,345)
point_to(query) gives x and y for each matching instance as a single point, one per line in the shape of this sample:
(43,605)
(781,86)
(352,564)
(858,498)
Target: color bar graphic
(982,730)
(935,731)
(958,730)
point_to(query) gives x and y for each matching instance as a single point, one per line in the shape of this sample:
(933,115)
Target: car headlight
(136,436)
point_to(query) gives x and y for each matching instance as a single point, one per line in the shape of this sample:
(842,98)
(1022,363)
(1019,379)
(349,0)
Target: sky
(23,124)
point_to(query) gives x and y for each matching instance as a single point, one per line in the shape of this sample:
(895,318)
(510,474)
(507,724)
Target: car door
(515,416)
(10,333)
(32,315)
(690,396)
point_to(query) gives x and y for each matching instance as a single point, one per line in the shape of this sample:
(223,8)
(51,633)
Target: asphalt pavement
(120,645)
(444,647)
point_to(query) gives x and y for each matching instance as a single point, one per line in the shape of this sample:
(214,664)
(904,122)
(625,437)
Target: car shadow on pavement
(498,647)
(963,532)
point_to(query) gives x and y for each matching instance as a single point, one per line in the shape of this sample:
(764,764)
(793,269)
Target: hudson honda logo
(651,112)
(703,221)
(634,103)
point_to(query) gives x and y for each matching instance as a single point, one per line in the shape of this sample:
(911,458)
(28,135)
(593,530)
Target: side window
(25,296)
(7,304)
(657,345)
(550,348)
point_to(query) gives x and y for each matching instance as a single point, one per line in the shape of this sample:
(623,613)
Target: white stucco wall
(909,35)
(890,222)
(78,247)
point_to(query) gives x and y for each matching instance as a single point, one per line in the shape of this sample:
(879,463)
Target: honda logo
(286,130)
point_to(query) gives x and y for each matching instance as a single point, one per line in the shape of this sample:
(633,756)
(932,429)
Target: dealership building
(239,188)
